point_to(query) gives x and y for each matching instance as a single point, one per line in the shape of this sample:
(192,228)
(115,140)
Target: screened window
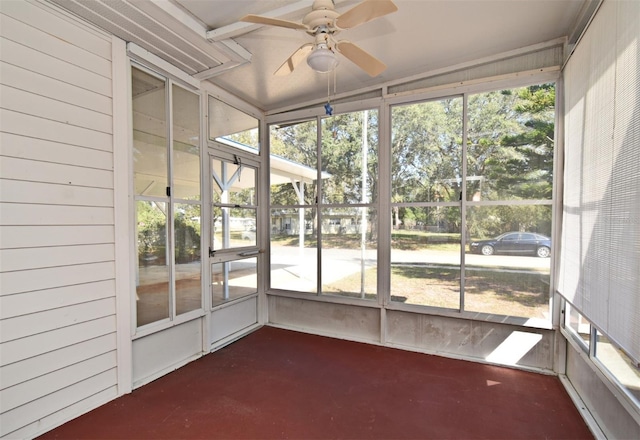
(166,158)
(480,197)
(233,127)
(577,326)
(510,146)
(426,161)
(322,195)
(233,279)
(618,365)
(234,204)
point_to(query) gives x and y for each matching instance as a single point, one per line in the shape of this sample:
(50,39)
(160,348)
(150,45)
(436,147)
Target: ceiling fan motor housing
(322,14)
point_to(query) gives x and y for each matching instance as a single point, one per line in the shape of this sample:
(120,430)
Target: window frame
(223,150)
(589,352)
(384,105)
(173,319)
(304,117)
(465,203)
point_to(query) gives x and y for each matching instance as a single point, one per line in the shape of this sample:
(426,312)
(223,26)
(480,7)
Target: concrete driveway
(299,266)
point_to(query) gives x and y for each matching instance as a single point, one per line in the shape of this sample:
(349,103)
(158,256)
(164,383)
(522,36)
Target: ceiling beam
(237,54)
(239,28)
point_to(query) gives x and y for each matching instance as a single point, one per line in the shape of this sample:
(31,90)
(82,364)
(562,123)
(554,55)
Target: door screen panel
(234,232)
(233,279)
(234,204)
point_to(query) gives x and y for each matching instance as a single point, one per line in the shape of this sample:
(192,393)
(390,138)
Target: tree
(151,226)
(426,150)
(187,234)
(535,144)
(342,145)
(510,147)
(491,117)
(509,142)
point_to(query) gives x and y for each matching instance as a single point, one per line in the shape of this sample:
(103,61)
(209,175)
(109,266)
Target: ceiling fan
(323,23)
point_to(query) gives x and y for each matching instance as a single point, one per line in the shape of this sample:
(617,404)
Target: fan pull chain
(327,107)
(328,87)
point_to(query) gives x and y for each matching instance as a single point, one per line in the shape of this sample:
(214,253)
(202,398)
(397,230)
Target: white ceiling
(422,36)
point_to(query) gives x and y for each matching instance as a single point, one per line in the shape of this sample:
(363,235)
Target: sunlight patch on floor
(512,349)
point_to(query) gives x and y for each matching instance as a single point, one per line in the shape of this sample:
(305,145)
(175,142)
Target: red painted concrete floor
(279,384)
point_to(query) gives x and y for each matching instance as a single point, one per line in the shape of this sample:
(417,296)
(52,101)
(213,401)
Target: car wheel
(487,250)
(543,252)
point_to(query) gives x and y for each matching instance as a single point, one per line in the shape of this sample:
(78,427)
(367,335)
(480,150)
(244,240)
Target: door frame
(234,317)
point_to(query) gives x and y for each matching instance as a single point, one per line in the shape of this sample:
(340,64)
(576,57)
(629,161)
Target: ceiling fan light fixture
(322,60)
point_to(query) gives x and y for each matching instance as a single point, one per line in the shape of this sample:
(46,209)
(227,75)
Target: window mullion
(318,205)
(463,198)
(383,206)
(170,194)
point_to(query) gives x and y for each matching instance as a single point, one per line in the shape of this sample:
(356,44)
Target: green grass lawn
(494,290)
(523,294)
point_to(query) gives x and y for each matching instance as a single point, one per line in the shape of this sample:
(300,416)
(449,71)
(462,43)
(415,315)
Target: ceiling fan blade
(259,19)
(364,12)
(295,59)
(361,58)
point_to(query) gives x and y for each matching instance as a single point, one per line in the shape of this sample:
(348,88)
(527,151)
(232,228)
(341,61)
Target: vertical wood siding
(57,268)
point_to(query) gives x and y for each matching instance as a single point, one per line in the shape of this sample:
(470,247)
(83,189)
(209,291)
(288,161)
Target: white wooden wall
(57,268)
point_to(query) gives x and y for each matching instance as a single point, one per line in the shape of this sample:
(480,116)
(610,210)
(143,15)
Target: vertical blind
(600,255)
